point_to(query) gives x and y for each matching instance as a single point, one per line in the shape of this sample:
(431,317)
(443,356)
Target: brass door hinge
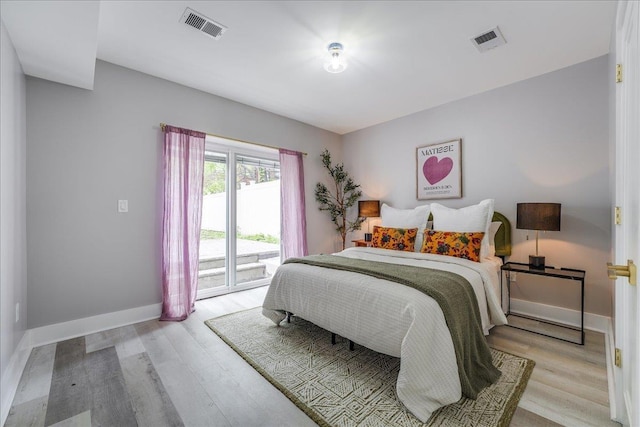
(618,360)
(617,215)
(618,73)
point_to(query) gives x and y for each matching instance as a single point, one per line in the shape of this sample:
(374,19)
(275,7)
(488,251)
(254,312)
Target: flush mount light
(335,62)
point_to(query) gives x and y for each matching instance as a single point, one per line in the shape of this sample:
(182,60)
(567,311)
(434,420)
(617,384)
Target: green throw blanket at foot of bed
(456,298)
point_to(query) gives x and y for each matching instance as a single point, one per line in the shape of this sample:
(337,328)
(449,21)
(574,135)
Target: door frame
(626,245)
(232,149)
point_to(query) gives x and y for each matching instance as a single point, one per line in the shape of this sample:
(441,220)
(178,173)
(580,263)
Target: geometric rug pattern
(337,387)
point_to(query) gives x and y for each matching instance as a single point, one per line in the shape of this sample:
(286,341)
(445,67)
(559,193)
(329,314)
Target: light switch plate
(123,206)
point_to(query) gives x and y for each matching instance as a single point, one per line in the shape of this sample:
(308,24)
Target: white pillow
(469,219)
(406,218)
(493,229)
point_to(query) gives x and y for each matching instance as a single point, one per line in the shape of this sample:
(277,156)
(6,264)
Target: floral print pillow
(399,239)
(461,245)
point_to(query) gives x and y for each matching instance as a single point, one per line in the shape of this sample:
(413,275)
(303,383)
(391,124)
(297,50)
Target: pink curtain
(183,178)
(293,221)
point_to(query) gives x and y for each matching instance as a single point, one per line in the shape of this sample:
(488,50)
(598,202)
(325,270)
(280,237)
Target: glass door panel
(257,219)
(213,231)
(241,193)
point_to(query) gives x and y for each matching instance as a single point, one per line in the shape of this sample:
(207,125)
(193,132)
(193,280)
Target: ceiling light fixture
(335,62)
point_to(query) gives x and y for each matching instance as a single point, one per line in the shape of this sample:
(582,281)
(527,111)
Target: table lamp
(368,209)
(538,216)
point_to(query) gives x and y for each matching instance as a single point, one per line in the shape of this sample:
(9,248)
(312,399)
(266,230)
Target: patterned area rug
(338,387)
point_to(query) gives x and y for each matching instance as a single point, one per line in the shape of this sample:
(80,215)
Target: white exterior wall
(263,198)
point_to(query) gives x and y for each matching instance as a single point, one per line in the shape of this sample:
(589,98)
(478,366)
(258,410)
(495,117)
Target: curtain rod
(162,125)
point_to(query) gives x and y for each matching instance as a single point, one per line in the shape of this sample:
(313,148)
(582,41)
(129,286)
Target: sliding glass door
(240,236)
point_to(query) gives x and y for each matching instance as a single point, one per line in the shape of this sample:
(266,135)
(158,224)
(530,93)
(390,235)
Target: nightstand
(570,276)
(362,243)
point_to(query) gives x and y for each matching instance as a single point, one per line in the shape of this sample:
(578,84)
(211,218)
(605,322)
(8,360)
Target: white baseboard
(60,332)
(11,380)
(593,322)
(89,325)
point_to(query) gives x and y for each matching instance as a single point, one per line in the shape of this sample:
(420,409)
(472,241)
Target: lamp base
(367,237)
(536,261)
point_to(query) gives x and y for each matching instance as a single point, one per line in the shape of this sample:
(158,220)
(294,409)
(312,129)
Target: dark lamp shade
(538,216)
(369,208)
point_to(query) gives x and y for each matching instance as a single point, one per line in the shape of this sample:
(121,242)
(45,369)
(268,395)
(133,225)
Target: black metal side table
(561,273)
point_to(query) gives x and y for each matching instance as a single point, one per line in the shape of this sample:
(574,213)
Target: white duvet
(388,317)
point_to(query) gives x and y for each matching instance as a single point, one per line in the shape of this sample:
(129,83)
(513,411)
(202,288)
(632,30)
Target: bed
(394,319)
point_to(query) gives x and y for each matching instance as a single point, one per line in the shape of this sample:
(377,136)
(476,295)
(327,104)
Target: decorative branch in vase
(337,203)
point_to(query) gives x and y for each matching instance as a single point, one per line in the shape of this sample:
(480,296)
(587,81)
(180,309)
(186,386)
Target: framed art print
(439,171)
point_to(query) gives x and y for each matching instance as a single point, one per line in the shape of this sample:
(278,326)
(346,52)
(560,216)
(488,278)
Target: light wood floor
(198,380)
(569,382)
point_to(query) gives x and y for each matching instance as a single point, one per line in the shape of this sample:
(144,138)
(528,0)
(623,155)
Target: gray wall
(544,139)
(87,149)
(13,236)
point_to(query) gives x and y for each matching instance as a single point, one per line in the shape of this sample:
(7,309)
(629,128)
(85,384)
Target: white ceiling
(55,40)
(403,57)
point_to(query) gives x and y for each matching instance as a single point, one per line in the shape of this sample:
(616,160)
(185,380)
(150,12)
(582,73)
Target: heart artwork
(435,171)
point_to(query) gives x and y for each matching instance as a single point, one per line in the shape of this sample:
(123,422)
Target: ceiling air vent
(488,40)
(202,23)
